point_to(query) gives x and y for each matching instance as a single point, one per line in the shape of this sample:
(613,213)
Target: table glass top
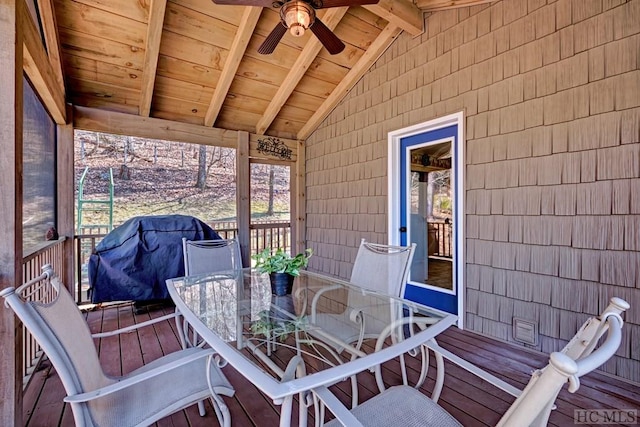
(321,321)
(221,300)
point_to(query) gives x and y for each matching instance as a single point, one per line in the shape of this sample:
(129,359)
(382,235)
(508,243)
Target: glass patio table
(288,345)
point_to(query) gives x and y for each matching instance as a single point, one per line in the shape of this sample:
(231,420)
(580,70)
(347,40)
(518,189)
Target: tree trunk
(202,168)
(271,179)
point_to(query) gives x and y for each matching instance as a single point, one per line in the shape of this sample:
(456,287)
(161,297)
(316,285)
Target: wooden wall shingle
(551,96)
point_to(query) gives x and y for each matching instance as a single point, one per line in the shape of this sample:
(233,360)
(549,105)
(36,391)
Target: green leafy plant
(281,262)
(276,329)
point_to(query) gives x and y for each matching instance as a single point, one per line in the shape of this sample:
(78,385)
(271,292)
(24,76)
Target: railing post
(243,191)
(11,117)
(78,269)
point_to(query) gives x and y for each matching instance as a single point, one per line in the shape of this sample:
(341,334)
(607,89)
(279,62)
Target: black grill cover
(133,261)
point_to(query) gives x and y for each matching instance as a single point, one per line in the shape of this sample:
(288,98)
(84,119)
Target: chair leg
(179,326)
(354,379)
(285,411)
(318,411)
(201,409)
(437,388)
(221,410)
(302,409)
(354,391)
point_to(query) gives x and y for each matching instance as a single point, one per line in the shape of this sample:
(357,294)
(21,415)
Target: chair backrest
(579,357)
(208,256)
(62,332)
(382,268)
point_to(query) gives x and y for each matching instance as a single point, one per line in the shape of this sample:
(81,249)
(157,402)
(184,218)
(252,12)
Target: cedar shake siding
(551,96)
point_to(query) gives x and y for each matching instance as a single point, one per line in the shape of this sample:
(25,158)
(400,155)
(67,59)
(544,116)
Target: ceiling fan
(297,16)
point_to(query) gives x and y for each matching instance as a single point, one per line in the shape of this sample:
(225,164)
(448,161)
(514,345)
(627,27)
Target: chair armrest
(336,407)
(606,349)
(503,385)
(143,376)
(317,296)
(136,326)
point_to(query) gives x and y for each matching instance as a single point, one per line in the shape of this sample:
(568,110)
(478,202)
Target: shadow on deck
(472,401)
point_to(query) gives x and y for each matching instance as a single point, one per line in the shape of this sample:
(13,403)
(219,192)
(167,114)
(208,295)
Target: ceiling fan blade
(269,44)
(261,3)
(323,4)
(333,44)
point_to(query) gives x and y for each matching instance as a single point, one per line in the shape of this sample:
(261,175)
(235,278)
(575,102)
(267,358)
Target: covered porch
(550,92)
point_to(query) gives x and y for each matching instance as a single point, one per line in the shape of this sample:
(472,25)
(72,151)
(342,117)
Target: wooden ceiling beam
(377,48)
(435,5)
(151,52)
(401,13)
(331,19)
(40,72)
(248,24)
(50,29)
(97,120)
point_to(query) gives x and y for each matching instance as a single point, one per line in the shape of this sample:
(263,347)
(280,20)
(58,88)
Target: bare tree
(220,157)
(271,182)
(215,158)
(202,168)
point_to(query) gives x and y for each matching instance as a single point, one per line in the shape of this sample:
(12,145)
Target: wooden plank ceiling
(196,62)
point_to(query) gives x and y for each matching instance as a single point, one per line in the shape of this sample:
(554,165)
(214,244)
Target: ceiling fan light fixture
(298,17)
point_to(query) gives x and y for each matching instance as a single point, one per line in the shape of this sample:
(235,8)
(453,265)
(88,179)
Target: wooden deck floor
(472,401)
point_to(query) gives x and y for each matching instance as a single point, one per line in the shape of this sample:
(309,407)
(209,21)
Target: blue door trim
(441,300)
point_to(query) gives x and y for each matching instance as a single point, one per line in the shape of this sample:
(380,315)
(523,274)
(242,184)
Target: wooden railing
(263,235)
(32,265)
(442,233)
(225,229)
(270,235)
(84,246)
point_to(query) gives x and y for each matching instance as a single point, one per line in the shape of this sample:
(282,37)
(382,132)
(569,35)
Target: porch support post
(65,183)
(11,212)
(243,197)
(299,214)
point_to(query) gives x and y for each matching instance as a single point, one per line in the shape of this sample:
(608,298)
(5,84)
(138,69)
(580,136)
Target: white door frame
(393,207)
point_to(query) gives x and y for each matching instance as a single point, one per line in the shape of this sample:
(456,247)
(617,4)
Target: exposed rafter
(152,50)
(192,58)
(38,68)
(384,40)
(50,29)
(331,19)
(401,13)
(433,5)
(245,30)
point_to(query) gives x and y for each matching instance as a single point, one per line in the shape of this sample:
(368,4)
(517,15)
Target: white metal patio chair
(404,405)
(380,269)
(140,398)
(208,256)
(205,256)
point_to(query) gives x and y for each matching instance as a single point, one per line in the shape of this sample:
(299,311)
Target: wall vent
(525,331)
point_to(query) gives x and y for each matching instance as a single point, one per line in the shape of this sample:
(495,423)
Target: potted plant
(281,267)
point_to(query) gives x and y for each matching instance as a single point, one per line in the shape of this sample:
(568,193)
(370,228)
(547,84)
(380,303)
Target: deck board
(469,399)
